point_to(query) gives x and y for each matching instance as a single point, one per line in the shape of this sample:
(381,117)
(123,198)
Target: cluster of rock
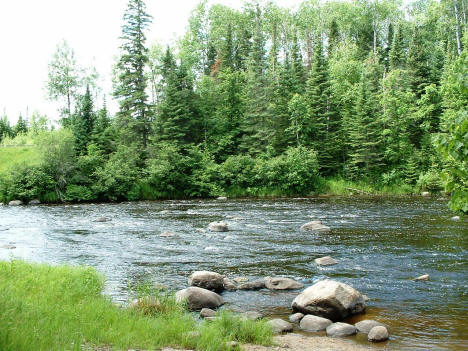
(21,203)
(323,306)
(205,287)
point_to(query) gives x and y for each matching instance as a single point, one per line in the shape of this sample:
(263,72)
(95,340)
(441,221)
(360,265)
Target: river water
(380,243)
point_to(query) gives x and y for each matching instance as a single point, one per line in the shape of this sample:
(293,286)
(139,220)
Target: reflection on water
(381,243)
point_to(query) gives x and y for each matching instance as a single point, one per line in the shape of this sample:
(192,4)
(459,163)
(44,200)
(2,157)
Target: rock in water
(280,326)
(102,220)
(341,329)
(222,198)
(34,202)
(326,261)
(423,277)
(366,325)
(329,299)
(241,279)
(218,227)
(280,283)
(315,226)
(167,234)
(378,333)
(253,285)
(314,323)
(207,312)
(296,317)
(252,315)
(229,285)
(15,203)
(455,218)
(198,298)
(207,280)
(425,193)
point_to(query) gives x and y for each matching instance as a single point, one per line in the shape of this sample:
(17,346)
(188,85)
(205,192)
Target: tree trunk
(457,18)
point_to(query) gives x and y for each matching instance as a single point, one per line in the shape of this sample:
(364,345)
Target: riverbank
(62,308)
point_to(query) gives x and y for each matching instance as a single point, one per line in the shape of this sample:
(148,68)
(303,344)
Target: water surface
(381,243)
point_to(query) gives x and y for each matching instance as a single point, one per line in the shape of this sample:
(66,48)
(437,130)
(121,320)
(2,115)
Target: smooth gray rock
(102,220)
(218,227)
(167,234)
(34,202)
(229,284)
(222,198)
(366,325)
(253,285)
(314,323)
(377,334)
(340,329)
(455,218)
(15,203)
(329,299)
(252,315)
(326,261)
(296,317)
(280,326)
(425,193)
(423,277)
(281,283)
(315,226)
(207,280)
(8,247)
(207,312)
(198,298)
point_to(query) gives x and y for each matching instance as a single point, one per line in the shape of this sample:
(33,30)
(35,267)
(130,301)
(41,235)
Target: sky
(31,29)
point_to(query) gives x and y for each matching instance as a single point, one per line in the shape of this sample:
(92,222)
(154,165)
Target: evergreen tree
(228,49)
(323,125)
(102,134)
(5,128)
(134,116)
(83,123)
(418,63)
(365,138)
(333,37)
(21,126)
(388,47)
(297,68)
(396,54)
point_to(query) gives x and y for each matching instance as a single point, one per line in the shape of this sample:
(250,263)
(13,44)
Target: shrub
(430,181)
(79,193)
(29,182)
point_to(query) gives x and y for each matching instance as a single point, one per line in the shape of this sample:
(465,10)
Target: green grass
(340,186)
(15,155)
(62,308)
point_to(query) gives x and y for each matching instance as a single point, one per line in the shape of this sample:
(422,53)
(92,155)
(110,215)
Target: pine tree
(323,125)
(366,139)
(388,47)
(396,54)
(333,37)
(83,123)
(134,116)
(21,126)
(255,125)
(418,63)
(228,49)
(297,68)
(102,134)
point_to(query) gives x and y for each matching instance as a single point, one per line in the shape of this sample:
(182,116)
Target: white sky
(31,29)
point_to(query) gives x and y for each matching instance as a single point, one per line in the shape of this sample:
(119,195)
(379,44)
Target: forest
(259,101)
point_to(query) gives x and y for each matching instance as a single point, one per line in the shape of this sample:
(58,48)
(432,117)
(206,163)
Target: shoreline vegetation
(63,308)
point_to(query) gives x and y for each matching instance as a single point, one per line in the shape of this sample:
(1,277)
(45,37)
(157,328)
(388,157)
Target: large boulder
(207,280)
(15,203)
(198,298)
(341,329)
(218,227)
(253,285)
(315,226)
(329,299)
(366,325)
(377,334)
(229,284)
(314,323)
(280,326)
(296,317)
(207,312)
(280,283)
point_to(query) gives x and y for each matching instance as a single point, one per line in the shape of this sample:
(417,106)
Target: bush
(78,193)
(28,182)
(430,181)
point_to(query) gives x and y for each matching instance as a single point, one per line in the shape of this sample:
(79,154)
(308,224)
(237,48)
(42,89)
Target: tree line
(270,99)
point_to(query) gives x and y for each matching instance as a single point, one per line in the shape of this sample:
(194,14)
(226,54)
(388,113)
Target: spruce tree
(396,54)
(333,37)
(21,127)
(134,116)
(388,47)
(418,63)
(83,123)
(323,125)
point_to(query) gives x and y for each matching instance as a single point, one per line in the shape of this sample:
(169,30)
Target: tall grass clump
(63,308)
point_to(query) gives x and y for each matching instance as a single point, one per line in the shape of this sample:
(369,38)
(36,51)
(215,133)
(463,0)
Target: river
(381,243)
